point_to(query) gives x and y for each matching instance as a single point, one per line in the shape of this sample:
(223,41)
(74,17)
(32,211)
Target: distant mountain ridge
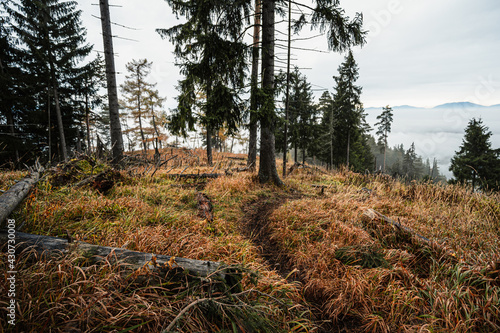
(454,105)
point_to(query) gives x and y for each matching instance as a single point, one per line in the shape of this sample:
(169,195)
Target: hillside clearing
(309,262)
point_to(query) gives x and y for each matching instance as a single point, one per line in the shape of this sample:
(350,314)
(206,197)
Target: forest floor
(309,257)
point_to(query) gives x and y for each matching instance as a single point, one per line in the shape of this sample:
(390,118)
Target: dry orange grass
(419,291)
(156,215)
(9,178)
(362,277)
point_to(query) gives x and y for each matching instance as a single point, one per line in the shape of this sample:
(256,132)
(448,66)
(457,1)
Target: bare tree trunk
(114,116)
(140,127)
(60,125)
(252,143)
(331,137)
(13,197)
(87,123)
(287,97)
(385,148)
(10,124)
(49,124)
(267,166)
(209,145)
(348,146)
(62,138)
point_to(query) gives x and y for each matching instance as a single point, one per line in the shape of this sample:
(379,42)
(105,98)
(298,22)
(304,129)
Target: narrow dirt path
(255,226)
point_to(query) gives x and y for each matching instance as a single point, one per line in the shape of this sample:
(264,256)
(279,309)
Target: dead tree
(13,197)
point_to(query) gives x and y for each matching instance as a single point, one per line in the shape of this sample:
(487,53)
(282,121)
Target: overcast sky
(420,53)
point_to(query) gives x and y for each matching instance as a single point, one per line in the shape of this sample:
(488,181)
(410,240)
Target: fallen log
(88,180)
(322,187)
(195,176)
(47,245)
(370,215)
(13,196)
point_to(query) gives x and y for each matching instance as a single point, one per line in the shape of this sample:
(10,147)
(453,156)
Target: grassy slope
(341,272)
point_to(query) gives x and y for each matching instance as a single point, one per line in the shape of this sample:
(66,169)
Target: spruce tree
(213,60)
(52,44)
(384,128)
(302,116)
(10,141)
(348,120)
(476,162)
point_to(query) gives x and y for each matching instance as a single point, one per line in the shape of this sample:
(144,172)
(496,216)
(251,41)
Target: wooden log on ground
(370,215)
(88,180)
(47,245)
(13,196)
(322,187)
(196,176)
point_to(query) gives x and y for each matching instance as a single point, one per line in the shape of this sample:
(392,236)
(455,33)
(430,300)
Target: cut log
(88,180)
(370,215)
(322,187)
(47,245)
(196,176)
(13,197)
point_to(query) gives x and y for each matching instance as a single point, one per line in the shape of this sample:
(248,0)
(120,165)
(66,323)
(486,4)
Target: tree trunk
(267,166)
(47,245)
(209,145)
(49,124)
(87,123)
(10,124)
(114,115)
(60,125)
(287,96)
(348,146)
(140,129)
(13,197)
(252,143)
(331,137)
(385,150)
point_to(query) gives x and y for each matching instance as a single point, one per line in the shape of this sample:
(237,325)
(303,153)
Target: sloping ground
(320,266)
(385,279)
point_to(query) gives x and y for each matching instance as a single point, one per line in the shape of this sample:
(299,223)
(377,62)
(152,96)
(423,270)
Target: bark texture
(114,116)
(47,246)
(13,197)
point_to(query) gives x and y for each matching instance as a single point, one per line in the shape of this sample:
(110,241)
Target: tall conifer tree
(476,162)
(52,44)
(213,59)
(384,128)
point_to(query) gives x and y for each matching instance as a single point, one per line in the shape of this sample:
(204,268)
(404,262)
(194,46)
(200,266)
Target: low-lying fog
(437,132)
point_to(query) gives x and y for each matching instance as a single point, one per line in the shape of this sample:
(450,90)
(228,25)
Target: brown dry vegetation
(309,262)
